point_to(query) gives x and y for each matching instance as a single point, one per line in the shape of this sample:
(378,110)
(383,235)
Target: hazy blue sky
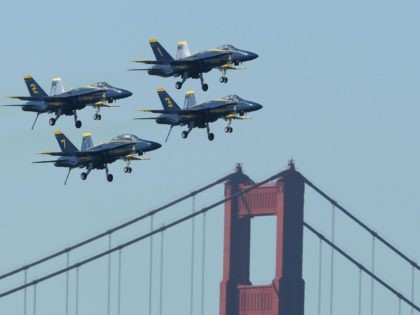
(339,82)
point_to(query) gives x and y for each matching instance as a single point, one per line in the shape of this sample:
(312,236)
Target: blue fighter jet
(62,102)
(200,115)
(126,147)
(187,65)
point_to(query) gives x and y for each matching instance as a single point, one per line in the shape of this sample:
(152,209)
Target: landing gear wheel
(109,177)
(184,134)
(51,121)
(226,79)
(78,124)
(83,176)
(97,117)
(228,129)
(211,136)
(223,79)
(128,169)
(205,87)
(178,85)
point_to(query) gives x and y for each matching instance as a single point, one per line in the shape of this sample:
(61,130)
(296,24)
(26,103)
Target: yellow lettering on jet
(34,89)
(63,141)
(168,102)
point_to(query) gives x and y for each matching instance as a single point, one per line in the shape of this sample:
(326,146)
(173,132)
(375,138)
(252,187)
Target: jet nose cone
(126,93)
(252,56)
(155,145)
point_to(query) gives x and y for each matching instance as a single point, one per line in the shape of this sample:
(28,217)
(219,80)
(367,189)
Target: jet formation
(62,102)
(200,115)
(187,65)
(126,147)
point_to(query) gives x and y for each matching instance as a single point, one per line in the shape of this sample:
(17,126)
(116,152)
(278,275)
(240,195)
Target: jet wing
(58,99)
(134,157)
(223,108)
(231,67)
(50,161)
(88,153)
(193,61)
(152,62)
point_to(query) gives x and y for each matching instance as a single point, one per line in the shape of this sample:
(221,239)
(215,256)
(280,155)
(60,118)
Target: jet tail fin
(56,86)
(65,144)
(167,102)
(87,141)
(33,87)
(189,99)
(160,53)
(183,51)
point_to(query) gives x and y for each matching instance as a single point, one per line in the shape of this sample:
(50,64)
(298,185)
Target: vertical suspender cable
(119,283)
(399,306)
(320,277)
(412,289)
(109,275)
(360,292)
(151,266)
(192,258)
(67,282)
(34,304)
(372,283)
(161,272)
(203,263)
(25,291)
(77,292)
(332,260)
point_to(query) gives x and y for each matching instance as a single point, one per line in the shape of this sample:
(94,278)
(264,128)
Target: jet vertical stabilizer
(168,102)
(33,87)
(189,99)
(56,86)
(160,53)
(87,141)
(65,144)
(183,51)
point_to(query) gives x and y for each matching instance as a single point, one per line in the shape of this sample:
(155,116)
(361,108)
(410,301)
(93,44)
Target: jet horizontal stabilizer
(50,161)
(145,69)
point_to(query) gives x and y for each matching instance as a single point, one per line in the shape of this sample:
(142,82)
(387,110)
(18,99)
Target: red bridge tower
(283,199)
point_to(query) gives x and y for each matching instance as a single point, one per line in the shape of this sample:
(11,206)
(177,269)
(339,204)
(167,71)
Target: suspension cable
(320,277)
(359,265)
(332,260)
(144,236)
(364,226)
(119,227)
(192,258)
(203,263)
(372,282)
(161,272)
(150,265)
